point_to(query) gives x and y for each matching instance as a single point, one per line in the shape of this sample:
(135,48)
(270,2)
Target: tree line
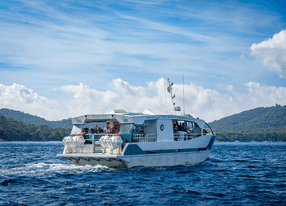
(279,135)
(259,124)
(16,130)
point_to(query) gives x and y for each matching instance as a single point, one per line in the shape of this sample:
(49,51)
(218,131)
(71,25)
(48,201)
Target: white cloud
(199,102)
(124,96)
(263,96)
(18,97)
(272,53)
(230,88)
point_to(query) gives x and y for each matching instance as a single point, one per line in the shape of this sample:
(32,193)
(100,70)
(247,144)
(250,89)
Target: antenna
(183,96)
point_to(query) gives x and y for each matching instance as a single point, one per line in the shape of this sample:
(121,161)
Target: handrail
(187,136)
(145,137)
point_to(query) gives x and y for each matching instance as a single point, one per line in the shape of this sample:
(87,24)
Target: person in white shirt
(107,128)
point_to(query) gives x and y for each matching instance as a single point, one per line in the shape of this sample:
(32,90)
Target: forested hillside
(259,119)
(28,118)
(260,124)
(16,130)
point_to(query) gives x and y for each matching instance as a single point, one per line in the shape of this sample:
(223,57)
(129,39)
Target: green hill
(259,124)
(259,119)
(28,118)
(16,130)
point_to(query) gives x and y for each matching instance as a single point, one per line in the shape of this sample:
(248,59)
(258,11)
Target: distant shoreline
(1,140)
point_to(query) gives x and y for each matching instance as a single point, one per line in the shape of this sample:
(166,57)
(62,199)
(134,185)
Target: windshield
(207,129)
(125,128)
(76,129)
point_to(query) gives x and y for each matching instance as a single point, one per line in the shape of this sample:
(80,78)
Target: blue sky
(54,49)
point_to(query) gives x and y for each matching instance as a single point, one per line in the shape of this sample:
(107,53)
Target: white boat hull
(157,160)
(148,160)
(149,154)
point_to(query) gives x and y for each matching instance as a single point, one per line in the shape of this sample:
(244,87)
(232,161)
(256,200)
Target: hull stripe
(134,149)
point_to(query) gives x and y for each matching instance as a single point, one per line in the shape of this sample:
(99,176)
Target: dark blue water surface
(235,174)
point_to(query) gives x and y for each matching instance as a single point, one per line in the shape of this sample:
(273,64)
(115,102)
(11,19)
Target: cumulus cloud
(272,53)
(199,102)
(121,95)
(263,95)
(18,97)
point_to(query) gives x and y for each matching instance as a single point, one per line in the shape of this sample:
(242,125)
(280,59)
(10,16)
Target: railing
(97,147)
(144,138)
(94,141)
(187,136)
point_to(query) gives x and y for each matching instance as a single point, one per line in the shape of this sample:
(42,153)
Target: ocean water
(234,174)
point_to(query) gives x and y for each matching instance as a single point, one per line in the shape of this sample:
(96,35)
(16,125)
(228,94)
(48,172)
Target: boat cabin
(138,127)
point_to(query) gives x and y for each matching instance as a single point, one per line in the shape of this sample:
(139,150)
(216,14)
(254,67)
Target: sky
(60,59)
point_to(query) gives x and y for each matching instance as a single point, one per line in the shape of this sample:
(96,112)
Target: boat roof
(124,117)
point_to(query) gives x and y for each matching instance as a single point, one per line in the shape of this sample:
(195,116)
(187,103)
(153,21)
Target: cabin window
(197,129)
(179,126)
(125,128)
(207,129)
(125,132)
(150,128)
(187,130)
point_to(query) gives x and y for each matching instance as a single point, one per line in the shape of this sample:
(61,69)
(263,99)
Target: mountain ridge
(256,124)
(257,119)
(33,119)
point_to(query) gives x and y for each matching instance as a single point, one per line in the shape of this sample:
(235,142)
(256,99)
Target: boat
(138,139)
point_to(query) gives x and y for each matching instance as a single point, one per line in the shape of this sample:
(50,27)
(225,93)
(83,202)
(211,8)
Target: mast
(169,89)
(183,95)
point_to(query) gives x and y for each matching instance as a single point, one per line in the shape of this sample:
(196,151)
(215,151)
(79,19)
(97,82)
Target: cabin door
(164,130)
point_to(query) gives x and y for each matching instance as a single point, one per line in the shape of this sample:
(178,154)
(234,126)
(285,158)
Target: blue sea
(234,174)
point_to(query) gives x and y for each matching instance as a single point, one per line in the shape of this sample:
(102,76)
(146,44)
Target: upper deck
(135,118)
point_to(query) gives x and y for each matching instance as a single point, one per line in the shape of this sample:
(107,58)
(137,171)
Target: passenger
(180,127)
(177,126)
(100,130)
(107,128)
(86,130)
(115,128)
(83,132)
(95,129)
(89,136)
(182,135)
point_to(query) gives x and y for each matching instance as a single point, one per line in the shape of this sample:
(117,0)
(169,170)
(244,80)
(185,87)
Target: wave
(47,168)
